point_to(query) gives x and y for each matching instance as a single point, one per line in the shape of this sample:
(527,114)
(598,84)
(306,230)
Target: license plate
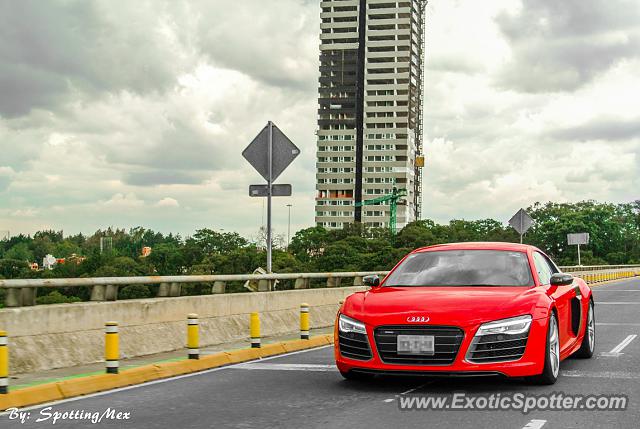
(416,344)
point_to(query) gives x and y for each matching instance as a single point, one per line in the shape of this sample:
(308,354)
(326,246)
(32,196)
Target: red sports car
(467,309)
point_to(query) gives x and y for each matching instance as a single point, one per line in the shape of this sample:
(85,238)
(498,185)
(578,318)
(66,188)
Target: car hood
(458,306)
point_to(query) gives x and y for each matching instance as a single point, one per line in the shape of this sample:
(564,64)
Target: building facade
(370,110)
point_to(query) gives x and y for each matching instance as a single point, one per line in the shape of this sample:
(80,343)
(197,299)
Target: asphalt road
(304,390)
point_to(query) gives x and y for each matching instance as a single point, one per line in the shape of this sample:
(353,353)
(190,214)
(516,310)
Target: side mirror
(561,279)
(371,281)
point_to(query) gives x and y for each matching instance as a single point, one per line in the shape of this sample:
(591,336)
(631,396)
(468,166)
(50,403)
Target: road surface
(303,390)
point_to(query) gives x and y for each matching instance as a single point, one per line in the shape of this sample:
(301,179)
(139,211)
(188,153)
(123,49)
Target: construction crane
(392,198)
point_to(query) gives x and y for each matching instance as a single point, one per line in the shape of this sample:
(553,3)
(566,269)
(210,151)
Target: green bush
(135,292)
(56,297)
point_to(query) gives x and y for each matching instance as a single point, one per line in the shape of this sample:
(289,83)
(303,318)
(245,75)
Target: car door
(562,296)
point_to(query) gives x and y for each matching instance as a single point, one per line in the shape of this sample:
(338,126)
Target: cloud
(6,174)
(274,42)
(114,110)
(494,147)
(159,177)
(58,51)
(119,201)
(562,45)
(168,202)
(612,129)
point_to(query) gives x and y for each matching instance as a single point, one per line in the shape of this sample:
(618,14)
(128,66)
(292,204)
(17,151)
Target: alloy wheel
(554,347)
(591,328)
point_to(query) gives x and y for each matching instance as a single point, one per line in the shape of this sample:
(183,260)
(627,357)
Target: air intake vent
(354,345)
(497,348)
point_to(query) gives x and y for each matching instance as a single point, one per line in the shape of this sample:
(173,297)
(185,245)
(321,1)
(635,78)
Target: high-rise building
(370,110)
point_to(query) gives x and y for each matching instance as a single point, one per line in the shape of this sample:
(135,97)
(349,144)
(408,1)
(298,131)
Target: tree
(167,259)
(308,243)
(13,268)
(553,221)
(211,241)
(20,252)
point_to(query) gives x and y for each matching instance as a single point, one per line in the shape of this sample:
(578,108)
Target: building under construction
(370,111)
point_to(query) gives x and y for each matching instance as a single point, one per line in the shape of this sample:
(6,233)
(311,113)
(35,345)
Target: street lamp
(289,227)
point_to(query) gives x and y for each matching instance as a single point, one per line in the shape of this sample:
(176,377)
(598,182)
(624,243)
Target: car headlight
(347,324)
(511,326)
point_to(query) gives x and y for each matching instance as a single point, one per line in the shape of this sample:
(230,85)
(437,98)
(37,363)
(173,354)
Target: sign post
(521,222)
(269,193)
(270,153)
(577,240)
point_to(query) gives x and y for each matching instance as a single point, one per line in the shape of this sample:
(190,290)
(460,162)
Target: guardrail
(586,268)
(22,292)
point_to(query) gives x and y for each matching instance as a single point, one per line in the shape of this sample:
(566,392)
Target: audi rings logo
(418,319)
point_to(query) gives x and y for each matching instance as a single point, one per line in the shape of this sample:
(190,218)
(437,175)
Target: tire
(355,375)
(551,369)
(589,340)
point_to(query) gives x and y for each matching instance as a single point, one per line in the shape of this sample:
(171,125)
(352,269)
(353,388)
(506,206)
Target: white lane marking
(616,324)
(406,392)
(617,350)
(620,375)
(286,366)
(617,302)
(534,424)
(413,390)
(164,380)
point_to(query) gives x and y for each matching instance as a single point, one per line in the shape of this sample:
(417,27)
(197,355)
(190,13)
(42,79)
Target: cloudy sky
(135,113)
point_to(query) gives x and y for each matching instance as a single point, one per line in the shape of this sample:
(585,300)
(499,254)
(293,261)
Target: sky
(120,113)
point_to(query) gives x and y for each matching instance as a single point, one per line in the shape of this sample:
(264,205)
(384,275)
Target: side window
(554,268)
(543,268)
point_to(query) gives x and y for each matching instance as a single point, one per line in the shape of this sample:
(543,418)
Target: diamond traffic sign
(283,153)
(276,190)
(521,221)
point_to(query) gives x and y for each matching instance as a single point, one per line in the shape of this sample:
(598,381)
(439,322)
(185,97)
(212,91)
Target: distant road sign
(276,190)
(579,238)
(283,153)
(521,222)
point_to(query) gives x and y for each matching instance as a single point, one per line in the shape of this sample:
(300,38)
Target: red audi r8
(467,309)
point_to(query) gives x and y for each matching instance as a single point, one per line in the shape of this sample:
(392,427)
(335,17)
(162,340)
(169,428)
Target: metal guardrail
(585,268)
(22,292)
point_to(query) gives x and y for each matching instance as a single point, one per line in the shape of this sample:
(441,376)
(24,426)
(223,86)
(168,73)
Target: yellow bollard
(304,321)
(193,336)
(4,363)
(111,347)
(254,330)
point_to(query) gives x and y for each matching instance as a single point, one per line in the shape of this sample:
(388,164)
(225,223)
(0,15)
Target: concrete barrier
(53,336)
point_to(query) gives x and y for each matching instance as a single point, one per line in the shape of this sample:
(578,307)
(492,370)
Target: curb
(592,285)
(65,389)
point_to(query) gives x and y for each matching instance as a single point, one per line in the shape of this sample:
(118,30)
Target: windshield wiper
(446,285)
(484,284)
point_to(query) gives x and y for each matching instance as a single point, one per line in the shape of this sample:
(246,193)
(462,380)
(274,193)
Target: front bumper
(531,362)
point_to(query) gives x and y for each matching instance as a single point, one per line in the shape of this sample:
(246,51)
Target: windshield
(463,268)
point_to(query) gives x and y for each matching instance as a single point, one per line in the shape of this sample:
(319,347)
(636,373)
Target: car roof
(479,245)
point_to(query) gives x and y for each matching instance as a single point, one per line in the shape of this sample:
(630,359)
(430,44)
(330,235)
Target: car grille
(497,348)
(447,343)
(354,345)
